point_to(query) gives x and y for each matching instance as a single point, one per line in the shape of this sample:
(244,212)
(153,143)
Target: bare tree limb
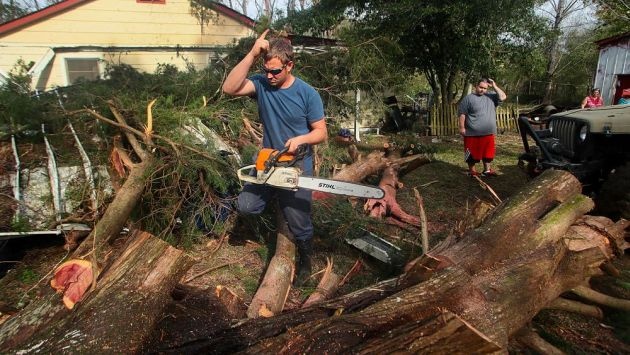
(600,298)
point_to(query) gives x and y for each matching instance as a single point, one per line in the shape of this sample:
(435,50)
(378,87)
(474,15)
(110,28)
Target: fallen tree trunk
(495,302)
(376,162)
(118,211)
(495,279)
(121,312)
(372,164)
(538,214)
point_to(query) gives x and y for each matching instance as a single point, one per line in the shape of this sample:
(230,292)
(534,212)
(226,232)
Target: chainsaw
(277,168)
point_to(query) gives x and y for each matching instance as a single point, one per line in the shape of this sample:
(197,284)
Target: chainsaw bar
(340,187)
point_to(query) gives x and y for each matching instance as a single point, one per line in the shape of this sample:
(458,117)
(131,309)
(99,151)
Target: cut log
(121,312)
(72,279)
(495,278)
(540,213)
(326,287)
(495,303)
(233,304)
(272,293)
(372,164)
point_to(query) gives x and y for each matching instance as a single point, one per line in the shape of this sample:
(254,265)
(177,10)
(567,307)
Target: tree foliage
(177,183)
(448,41)
(10,10)
(614,15)
(18,110)
(575,68)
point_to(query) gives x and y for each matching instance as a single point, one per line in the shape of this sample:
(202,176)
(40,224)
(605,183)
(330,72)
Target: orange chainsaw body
(266,153)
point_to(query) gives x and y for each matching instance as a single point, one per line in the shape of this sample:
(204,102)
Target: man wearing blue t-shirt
(292,114)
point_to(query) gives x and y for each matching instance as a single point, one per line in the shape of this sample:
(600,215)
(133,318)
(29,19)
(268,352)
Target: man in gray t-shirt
(478,125)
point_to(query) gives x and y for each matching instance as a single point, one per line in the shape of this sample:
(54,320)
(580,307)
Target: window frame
(68,60)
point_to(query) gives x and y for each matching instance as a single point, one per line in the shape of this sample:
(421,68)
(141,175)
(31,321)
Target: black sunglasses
(274,72)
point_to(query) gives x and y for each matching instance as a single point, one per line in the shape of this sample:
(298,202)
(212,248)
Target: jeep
(589,143)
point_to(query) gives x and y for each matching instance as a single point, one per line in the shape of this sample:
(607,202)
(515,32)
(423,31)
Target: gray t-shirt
(480,111)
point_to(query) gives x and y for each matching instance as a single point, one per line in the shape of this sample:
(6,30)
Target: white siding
(147,35)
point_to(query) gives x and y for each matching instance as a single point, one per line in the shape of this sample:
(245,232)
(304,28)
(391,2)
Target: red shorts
(479,148)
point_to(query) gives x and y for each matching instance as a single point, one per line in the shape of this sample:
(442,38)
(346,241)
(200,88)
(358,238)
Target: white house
(76,38)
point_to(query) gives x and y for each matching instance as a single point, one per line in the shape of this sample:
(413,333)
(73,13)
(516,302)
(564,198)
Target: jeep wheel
(613,199)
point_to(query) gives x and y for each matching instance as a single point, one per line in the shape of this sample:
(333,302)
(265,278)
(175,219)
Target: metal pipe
(87,168)
(53,174)
(15,235)
(357,114)
(61,229)
(17,194)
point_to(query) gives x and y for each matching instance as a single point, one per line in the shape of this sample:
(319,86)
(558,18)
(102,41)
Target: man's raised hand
(261,45)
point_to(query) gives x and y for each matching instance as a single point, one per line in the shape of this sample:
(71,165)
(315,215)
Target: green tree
(10,10)
(450,41)
(614,15)
(18,110)
(558,11)
(576,67)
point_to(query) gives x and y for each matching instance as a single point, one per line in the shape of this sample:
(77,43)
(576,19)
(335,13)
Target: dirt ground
(240,259)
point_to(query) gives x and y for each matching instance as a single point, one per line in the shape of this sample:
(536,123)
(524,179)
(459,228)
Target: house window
(86,69)
(151,1)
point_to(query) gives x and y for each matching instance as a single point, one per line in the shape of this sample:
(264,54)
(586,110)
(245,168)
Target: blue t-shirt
(287,113)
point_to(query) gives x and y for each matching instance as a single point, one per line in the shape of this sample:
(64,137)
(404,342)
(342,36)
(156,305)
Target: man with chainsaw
(292,114)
